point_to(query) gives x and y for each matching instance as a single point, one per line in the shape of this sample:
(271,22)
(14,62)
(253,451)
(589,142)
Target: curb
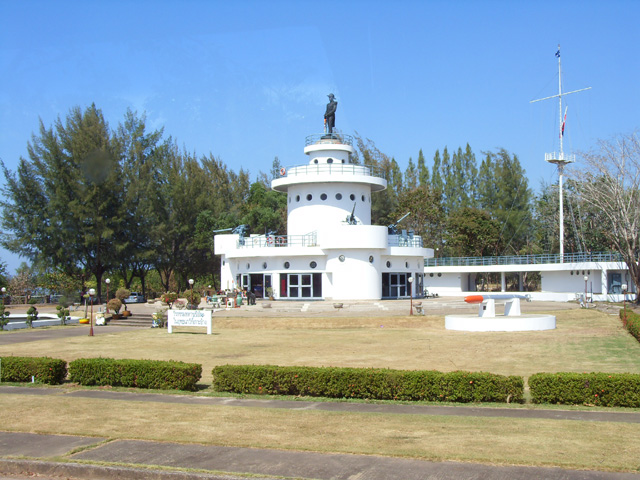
(101,472)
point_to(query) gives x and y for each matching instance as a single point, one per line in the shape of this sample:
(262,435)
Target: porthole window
(313,264)
(342,161)
(315,160)
(309,197)
(571,272)
(370,258)
(439,274)
(341,258)
(248,266)
(264,265)
(329,160)
(287,264)
(406,264)
(362,197)
(388,264)
(323,196)
(297,198)
(431,274)
(338,196)
(352,197)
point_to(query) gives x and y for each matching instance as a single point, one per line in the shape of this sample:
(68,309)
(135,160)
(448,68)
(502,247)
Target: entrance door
(398,285)
(615,283)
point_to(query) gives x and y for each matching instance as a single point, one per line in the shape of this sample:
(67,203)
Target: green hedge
(155,374)
(603,389)
(631,321)
(380,384)
(47,370)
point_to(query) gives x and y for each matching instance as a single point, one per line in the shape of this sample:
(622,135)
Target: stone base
(499,323)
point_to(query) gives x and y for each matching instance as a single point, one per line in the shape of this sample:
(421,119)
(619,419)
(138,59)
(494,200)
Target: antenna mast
(560,160)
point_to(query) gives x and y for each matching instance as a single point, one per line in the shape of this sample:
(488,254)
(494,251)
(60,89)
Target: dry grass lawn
(584,341)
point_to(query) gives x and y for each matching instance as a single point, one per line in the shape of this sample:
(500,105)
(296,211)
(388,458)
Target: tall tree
(423,171)
(610,183)
(410,176)
(436,173)
(427,215)
(63,206)
(472,232)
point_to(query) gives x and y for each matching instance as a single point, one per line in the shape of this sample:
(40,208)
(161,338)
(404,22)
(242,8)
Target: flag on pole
(564,121)
(558,53)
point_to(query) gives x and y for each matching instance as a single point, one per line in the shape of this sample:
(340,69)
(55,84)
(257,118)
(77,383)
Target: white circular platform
(499,323)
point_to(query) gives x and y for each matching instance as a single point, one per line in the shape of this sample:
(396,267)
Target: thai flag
(564,121)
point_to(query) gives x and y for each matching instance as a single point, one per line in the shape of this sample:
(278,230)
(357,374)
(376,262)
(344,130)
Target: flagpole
(560,160)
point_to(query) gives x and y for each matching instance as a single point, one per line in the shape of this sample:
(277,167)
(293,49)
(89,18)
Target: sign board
(189,318)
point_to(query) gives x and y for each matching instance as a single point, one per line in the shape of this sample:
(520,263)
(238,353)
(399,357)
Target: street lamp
(624,300)
(191,284)
(92,292)
(107,281)
(411,294)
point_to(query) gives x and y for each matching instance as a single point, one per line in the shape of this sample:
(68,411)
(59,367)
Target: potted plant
(114,304)
(122,294)
(169,298)
(32,314)
(270,293)
(193,299)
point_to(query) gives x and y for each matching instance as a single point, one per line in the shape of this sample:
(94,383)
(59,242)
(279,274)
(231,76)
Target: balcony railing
(321,138)
(279,241)
(522,259)
(329,169)
(401,241)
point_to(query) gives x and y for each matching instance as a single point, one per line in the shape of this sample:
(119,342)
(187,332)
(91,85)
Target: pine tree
(410,176)
(423,171)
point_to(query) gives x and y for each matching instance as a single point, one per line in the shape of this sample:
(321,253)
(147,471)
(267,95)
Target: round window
(313,264)
(388,264)
(297,198)
(315,160)
(287,265)
(362,197)
(439,274)
(309,197)
(264,265)
(342,161)
(370,258)
(406,264)
(323,196)
(338,196)
(341,258)
(329,160)
(248,266)
(431,274)
(352,196)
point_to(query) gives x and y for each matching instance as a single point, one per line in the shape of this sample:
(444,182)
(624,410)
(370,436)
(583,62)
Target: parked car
(134,297)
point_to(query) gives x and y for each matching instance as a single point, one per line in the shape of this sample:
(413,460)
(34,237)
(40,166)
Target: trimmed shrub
(154,374)
(190,295)
(631,321)
(368,383)
(115,305)
(51,371)
(603,389)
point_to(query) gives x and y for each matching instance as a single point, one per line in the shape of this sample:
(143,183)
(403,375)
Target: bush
(169,298)
(155,374)
(379,384)
(44,370)
(32,314)
(63,313)
(631,321)
(115,305)
(188,295)
(603,389)
(4,316)
(122,294)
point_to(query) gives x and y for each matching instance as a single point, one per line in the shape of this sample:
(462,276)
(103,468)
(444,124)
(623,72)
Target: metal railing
(330,169)
(522,259)
(400,241)
(279,241)
(329,138)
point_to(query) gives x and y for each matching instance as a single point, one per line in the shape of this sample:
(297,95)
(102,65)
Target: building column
(503,283)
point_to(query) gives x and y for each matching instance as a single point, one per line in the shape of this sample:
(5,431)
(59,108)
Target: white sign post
(189,318)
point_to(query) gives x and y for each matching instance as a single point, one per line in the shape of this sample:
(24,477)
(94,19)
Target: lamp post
(107,281)
(624,300)
(191,285)
(4,291)
(410,279)
(92,292)
(586,279)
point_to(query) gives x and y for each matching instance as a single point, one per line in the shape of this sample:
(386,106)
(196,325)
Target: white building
(601,275)
(331,250)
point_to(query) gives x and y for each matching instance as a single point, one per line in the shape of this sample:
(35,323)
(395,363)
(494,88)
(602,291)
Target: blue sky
(248,80)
